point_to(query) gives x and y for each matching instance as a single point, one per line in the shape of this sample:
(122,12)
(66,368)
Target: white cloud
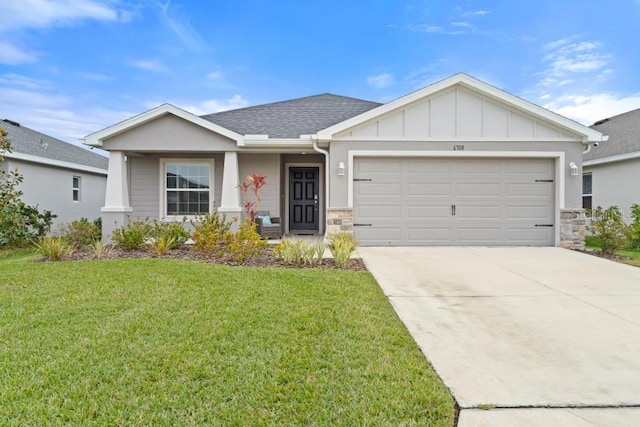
(180,25)
(13,55)
(381,81)
(51,113)
(215,76)
(587,109)
(45,13)
(17,80)
(475,13)
(567,57)
(148,65)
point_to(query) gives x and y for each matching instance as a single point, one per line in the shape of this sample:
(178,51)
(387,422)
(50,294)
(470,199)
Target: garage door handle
(453,210)
(544,225)
(362,225)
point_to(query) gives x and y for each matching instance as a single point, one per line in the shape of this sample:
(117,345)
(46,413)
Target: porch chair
(267,226)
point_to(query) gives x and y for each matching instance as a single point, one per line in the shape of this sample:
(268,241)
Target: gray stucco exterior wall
(616,184)
(51,188)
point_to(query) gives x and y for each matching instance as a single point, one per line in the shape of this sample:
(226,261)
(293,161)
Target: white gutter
(326,181)
(590,144)
(57,163)
(611,159)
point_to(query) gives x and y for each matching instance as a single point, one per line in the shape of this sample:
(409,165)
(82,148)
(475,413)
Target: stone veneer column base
(230,213)
(339,220)
(572,228)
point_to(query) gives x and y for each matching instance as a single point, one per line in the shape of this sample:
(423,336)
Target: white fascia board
(458,140)
(304,141)
(96,138)
(56,163)
(587,134)
(611,159)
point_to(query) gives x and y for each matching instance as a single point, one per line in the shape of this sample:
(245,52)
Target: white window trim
(78,188)
(162,211)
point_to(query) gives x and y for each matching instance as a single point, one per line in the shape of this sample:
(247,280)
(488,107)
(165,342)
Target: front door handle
(453,210)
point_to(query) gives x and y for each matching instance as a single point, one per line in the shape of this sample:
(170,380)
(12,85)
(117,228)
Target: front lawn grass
(633,255)
(167,342)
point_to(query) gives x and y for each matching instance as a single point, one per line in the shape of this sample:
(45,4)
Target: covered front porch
(165,186)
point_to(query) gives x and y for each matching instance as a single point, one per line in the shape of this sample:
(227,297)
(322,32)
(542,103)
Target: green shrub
(210,233)
(161,245)
(634,228)
(132,236)
(300,252)
(173,232)
(342,246)
(100,249)
(608,226)
(20,223)
(244,243)
(81,232)
(54,248)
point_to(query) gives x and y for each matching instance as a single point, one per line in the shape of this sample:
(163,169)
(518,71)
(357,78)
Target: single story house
(611,171)
(459,162)
(57,176)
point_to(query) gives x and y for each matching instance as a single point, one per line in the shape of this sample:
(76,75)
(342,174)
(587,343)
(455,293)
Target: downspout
(326,180)
(605,138)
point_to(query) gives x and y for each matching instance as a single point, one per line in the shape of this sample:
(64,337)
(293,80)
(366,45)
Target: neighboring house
(611,170)
(459,162)
(57,176)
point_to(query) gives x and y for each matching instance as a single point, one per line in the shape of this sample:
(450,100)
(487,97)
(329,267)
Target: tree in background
(19,222)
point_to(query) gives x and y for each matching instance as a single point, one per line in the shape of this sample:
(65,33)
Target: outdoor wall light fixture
(573,168)
(340,168)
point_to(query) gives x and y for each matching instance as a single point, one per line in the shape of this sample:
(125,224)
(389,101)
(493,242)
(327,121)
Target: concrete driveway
(543,336)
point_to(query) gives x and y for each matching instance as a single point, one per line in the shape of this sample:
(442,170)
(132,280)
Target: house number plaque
(458,147)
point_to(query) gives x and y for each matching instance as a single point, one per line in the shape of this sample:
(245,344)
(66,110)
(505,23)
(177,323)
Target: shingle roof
(624,135)
(28,141)
(292,118)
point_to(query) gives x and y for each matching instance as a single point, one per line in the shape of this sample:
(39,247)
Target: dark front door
(303,199)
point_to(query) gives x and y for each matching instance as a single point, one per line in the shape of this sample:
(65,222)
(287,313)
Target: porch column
(116,207)
(230,200)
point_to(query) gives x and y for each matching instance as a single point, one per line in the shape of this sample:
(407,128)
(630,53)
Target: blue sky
(71,67)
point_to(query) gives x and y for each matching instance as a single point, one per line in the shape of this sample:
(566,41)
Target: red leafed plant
(253,185)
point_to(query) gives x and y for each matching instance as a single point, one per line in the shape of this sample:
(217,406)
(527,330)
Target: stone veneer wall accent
(572,228)
(339,220)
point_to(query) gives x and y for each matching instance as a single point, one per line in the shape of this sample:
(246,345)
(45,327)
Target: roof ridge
(268,104)
(606,119)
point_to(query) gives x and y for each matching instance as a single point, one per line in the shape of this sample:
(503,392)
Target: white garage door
(441,201)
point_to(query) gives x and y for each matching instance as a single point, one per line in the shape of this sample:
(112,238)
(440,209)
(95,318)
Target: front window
(76,189)
(587,191)
(187,187)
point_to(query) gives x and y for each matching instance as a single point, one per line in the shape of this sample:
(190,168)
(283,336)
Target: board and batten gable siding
(169,133)
(616,184)
(145,181)
(264,164)
(455,113)
(51,188)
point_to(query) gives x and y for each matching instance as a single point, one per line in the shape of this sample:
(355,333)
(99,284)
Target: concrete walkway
(541,336)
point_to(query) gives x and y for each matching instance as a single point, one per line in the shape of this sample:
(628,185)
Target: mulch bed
(185,252)
(600,254)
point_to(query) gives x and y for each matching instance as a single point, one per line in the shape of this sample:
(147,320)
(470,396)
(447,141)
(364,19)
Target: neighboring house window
(187,188)
(76,188)
(587,190)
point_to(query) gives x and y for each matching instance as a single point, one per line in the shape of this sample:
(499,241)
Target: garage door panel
(378,166)
(435,235)
(385,212)
(497,201)
(431,212)
(425,166)
(380,189)
(478,212)
(429,189)
(532,189)
(479,189)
